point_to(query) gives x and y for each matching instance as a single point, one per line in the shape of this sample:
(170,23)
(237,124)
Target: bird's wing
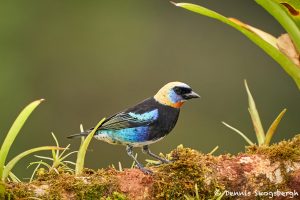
(130,119)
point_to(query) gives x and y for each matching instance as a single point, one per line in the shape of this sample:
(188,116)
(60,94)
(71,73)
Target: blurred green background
(90,59)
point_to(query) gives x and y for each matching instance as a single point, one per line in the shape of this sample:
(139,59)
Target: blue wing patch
(147,116)
(137,134)
(129,120)
(128,127)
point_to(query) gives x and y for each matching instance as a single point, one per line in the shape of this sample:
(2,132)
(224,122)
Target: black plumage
(146,122)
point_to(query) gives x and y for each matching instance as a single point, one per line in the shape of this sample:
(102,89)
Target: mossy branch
(261,168)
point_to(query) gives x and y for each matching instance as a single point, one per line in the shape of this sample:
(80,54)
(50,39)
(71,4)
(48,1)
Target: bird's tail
(77,135)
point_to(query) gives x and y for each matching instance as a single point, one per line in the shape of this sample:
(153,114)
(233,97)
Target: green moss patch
(282,151)
(179,178)
(91,185)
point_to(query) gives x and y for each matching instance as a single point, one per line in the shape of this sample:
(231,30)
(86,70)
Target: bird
(146,122)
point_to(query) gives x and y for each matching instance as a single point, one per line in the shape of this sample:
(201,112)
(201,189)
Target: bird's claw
(160,162)
(166,161)
(145,171)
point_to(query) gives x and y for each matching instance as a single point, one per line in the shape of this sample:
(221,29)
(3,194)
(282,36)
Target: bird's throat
(165,101)
(177,105)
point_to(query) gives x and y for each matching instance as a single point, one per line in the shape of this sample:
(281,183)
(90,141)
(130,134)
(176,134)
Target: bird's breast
(165,123)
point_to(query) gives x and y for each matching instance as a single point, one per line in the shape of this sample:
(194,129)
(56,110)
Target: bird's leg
(147,151)
(138,164)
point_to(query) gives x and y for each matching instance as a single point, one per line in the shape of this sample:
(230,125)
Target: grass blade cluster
(262,137)
(16,159)
(58,158)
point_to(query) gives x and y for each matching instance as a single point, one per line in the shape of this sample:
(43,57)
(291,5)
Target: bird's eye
(182,90)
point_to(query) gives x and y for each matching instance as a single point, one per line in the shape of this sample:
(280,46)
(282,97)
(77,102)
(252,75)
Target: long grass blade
(286,63)
(258,128)
(83,149)
(62,153)
(273,127)
(57,144)
(39,162)
(16,159)
(213,151)
(13,132)
(43,157)
(34,171)
(64,157)
(69,162)
(240,133)
(14,178)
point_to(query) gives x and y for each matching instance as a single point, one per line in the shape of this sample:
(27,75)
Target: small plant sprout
(197,197)
(262,137)
(58,158)
(120,166)
(83,148)
(34,171)
(213,151)
(284,49)
(5,170)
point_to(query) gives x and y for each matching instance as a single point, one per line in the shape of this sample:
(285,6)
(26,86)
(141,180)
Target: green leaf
(260,133)
(14,178)
(16,159)
(13,132)
(267,45)
(280,11)
(83,148)
(273,127)
(239,132)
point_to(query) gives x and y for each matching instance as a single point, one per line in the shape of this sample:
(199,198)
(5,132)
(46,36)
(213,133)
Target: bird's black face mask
(186,93)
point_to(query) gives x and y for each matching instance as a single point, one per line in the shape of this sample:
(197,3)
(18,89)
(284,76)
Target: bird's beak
(191,95)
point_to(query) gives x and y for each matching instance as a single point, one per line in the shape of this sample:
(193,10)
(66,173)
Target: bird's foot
(146,150)
(145,171)
(158,162)
(166,161)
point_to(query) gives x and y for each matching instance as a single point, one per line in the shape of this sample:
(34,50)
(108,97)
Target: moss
(282,151)
(17,191)
(117,196)
(179,178)
(176,180)
(91,185)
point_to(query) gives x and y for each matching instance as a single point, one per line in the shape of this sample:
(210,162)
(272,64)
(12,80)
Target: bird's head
(174,94)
